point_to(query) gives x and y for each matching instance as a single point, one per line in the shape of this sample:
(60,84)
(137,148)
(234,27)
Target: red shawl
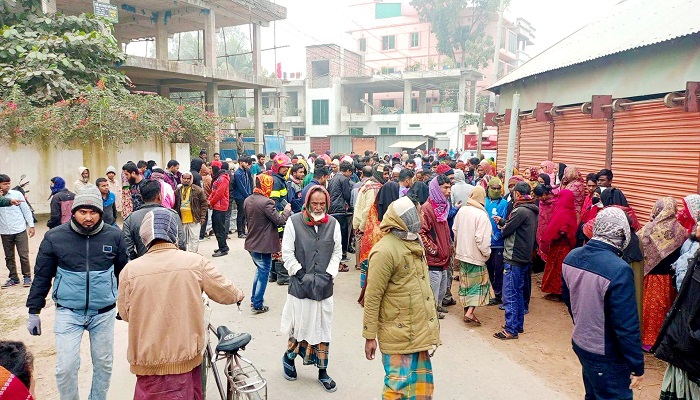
(563,222)
(589,210)
(543,218)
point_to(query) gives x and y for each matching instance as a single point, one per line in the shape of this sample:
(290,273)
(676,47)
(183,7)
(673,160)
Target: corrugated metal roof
(630,24)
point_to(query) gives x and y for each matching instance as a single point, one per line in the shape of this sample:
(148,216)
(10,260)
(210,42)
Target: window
(269,128)
(320,112)
(387,10)
(512,43)
(388,42)
(387,103)
(320,68)
(298,133)
(387,131)
(363,45)
(415,39)
(413,126)
(356,131)
(414,105)
(267,101)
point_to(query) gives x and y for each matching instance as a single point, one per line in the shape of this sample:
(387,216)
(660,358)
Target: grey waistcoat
(313,251)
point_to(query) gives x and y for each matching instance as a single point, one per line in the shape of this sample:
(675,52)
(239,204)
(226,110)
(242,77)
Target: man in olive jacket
(399,305)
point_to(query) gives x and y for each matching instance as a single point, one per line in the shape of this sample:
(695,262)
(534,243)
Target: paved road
(466,366)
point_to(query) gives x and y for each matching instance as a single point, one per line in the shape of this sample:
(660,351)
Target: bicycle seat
(231,342)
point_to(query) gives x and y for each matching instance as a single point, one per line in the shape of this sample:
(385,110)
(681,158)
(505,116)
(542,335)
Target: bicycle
(243,380)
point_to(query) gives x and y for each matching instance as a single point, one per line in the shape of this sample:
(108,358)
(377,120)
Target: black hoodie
(195,166)
(519,232)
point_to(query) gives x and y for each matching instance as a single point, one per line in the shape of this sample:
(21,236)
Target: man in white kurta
(311,251)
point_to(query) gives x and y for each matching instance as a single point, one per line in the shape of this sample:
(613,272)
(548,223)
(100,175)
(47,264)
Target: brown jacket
(160,296)
(399,304)
(263,219)
(198,203)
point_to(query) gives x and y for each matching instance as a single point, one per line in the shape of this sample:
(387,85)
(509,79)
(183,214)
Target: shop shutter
(320,144)
(581,141)
(656,153)
(533,143)
(360,144)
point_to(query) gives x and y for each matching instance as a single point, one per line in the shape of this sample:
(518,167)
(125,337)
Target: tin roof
(629,25)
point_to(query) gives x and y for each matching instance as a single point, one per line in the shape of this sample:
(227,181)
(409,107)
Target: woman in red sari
(546,204)
(557,240)
(573,181)
(661,240)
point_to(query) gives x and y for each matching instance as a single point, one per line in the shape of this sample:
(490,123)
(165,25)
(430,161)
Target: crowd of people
(415,223)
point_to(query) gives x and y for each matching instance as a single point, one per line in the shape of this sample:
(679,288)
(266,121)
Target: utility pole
(496,55)
(480,132)
(515,111)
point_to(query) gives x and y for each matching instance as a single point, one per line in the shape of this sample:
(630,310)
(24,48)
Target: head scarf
(486,166)
(326,158)
(11,387)
(305,209)
(58,185)
(611,227)
(419,190)
(460,165)
(548,167)
(563,219)
(263,184)
(378,173)
(460,179)
(515,179)
(495,194)
(408,226)
(571,174)
(662,235)
(160,223)
(688,216)
(477,198)
(438,200)
(443,169)
(560,171)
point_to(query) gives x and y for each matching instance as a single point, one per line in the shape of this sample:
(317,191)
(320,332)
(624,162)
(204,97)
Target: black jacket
(340,190)
(519,234)
(678,342)
(85,268)
(56,200)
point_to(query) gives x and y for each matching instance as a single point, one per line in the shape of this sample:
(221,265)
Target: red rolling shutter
(534,143)
(580,141)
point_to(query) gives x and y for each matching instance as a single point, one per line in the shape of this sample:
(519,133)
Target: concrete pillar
(161,39)
(48,6)
(472,96)
(164,91)
(209,38)
(257,93)
(407,96)
(421,100)
(462,97)
(370,100)
(211,99)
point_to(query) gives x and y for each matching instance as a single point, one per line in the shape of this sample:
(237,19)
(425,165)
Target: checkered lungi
(408,376)
(311,354)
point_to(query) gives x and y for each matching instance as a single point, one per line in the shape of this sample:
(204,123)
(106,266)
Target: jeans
(69,327)
(604,379)
(344,232)
(218,224)
(513,297)
(240,217)
(263,262)
(495,267)
(192,235)
(21,242)
(438,282)
(227,222)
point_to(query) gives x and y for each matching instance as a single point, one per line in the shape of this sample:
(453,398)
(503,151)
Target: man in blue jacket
(242,188)
(496,206)
(83,258)
(598,288)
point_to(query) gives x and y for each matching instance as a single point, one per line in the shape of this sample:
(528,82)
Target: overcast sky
(311,22)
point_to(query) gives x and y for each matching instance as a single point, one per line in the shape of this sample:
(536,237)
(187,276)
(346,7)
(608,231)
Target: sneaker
(27,281)
(220,254)
(345,259)
(260,310)
(351,250)
(242,236)
(452,302)
(10,283)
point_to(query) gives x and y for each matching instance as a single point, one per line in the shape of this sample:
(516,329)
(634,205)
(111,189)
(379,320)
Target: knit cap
(161,223)
(88,197)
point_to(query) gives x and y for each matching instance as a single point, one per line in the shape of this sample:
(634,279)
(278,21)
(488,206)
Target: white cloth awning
(408,144)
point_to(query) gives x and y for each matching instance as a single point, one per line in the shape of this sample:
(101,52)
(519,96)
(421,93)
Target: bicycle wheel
(211,381)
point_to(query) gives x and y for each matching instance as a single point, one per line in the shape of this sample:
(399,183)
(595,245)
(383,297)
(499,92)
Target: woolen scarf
(477,198)
(306,214)
(611,227)
(438,200)
(378,173)
(662,235)
(263,184)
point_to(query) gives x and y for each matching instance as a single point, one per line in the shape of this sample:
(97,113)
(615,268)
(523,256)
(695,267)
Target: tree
(53,58)
(460,27)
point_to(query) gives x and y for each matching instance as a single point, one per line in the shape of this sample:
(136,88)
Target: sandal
(474,319)
(260,310)
(343,268)
(503,335)
(328,384)
(290,371)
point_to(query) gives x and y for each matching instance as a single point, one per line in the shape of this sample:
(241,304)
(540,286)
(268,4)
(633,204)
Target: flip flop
(474,320)
(503,335)
(328,384)
(290,371)
(343,268)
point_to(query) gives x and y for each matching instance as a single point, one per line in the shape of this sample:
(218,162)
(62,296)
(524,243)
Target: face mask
(494,194)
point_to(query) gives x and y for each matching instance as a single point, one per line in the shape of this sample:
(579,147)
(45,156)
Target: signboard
(107,11)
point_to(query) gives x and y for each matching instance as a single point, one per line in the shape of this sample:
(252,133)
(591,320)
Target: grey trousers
(438,282)
(21,242)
